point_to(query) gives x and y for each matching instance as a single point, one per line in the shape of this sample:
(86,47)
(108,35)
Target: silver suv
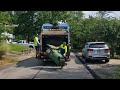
(96,51)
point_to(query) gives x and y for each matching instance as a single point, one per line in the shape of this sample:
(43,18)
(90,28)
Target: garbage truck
(53,34)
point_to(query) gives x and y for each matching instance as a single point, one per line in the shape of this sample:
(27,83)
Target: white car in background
(96,51)
(14,42)
(31,44)
(24,43)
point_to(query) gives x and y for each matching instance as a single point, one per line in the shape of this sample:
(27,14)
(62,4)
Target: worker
(37,45)
(68,51)
(63,50)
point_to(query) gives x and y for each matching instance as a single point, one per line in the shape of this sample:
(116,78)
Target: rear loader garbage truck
(51,37)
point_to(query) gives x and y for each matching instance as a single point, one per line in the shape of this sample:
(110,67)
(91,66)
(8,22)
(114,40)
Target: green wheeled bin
(55,55)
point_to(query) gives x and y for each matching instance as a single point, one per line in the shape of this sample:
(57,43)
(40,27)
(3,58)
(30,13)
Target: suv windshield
(97,45)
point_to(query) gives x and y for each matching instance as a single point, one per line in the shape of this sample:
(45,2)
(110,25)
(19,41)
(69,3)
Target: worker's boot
(68,58)
(65,58)
(36,56)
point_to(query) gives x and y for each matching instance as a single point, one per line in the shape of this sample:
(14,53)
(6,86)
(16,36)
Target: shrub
(4,48)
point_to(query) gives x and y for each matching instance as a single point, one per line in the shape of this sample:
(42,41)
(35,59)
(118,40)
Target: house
(9,37)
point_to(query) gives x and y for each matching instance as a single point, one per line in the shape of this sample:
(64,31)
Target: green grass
(9,48)
(17,48)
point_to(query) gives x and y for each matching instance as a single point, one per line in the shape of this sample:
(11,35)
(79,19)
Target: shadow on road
(72,57)
(96,62)
(32,62)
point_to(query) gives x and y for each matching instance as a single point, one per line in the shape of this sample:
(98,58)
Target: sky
(114,14)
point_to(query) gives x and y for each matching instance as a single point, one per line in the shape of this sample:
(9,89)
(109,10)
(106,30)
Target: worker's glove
(64,54)
(58,50)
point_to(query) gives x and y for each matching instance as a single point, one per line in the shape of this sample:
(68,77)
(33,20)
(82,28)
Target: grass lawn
(13,49)
(17,48)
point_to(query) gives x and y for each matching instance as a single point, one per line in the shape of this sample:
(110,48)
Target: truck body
(53,35)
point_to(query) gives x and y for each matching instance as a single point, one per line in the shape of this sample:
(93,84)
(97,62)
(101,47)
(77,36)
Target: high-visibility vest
(63,47)
(36,41)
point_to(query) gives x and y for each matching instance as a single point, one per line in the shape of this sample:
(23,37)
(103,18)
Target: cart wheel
(62,66)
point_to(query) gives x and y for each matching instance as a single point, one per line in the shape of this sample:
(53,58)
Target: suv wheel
(86,60)
(82,56)
(106,60)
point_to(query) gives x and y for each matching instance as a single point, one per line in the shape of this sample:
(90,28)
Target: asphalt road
(31,68)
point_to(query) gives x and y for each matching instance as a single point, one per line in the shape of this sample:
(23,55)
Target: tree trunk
(112,51)
(26,38)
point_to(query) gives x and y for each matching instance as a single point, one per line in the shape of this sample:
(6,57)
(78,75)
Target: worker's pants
(37,50)
(62,51)
(68,54)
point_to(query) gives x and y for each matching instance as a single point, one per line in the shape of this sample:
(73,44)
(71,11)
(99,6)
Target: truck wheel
(39,57)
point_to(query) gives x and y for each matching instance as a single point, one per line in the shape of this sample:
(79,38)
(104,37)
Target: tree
(26,25)
(30,22)
(109,30)
(75,21)
(5,20)
(103,14)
